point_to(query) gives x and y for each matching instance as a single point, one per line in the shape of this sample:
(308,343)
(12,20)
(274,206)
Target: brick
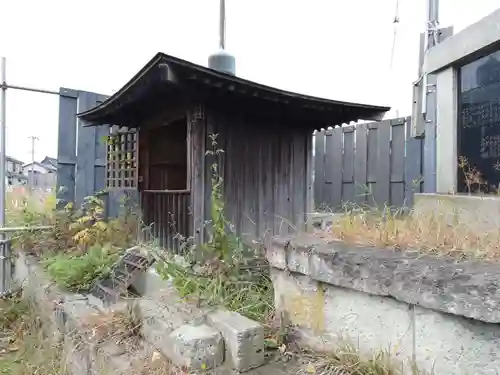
(243,338)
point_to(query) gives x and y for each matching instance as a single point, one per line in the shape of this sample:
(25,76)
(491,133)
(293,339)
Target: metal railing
(7,259)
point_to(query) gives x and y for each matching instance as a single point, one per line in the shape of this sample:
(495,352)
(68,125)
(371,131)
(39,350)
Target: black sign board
(479,124)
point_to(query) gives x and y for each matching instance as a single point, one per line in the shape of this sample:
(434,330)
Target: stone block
(195,347)
(276,256)
(156,331)
(243,338)
(453,345)
(298,261)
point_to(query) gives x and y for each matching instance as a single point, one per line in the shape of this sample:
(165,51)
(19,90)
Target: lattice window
(121,166)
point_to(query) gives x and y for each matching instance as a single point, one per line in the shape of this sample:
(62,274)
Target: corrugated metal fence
(372,164)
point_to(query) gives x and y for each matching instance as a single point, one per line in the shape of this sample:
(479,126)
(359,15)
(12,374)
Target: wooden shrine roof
(167,76)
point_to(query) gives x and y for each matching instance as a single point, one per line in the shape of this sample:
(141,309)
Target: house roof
(18,175)
(49,167)
(164,75)
(14,160)
(50,161)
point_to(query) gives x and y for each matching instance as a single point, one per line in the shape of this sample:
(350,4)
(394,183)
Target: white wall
(36,168)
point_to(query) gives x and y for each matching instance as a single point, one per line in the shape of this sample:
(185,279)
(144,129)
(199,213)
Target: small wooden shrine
(169,111)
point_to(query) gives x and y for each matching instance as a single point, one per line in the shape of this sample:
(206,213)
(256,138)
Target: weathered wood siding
(266,169)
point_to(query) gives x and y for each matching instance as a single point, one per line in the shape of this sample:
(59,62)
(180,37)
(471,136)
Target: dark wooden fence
(376,164)
(167,217)
(81,155)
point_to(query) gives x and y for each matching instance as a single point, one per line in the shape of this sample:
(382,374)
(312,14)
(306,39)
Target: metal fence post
(5,267)
(5,275)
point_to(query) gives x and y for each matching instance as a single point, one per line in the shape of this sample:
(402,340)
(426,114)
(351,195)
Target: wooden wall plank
(308,192)
(361,164)
(197,137)
(298,171)
(381,191)
(319,167)
(397,181)
(348,165)
(413,165)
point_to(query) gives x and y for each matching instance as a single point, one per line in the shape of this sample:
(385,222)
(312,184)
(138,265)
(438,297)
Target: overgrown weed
(438,233)
(76,273)
(222,271)
(83,244)
(75,229)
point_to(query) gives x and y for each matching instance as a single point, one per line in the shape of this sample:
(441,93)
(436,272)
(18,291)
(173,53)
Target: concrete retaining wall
(440,314)
(474,212)
(190,337)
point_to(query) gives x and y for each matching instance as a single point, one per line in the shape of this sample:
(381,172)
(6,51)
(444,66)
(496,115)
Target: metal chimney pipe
(221,60)
(222,24)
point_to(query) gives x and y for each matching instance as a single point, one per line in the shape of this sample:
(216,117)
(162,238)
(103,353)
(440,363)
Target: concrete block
(155,331)
(195,347)
(298,261)
(243,338)
(325,316)
(453,345)
(276,256)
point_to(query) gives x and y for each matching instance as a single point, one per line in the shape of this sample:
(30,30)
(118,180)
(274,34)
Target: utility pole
(32,176)
(431,39)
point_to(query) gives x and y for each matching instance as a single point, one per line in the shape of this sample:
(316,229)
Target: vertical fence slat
(333,170)
(319,167)
(397,185)
(66,147)
(371,170)
(376,163)
(348,165)
(381,191)
(413,165)
(360,164)
(85,157)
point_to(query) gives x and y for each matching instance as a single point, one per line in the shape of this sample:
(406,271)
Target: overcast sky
(331,48)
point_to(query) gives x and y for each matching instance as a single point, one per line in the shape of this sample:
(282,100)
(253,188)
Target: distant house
(14,172)
(49,161)
(41,175)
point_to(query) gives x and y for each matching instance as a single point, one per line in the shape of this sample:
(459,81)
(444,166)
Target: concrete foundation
(183,333)
(480,214)
(442,315)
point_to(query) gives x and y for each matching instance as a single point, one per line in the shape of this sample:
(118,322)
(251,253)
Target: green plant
(11,310)
(75,230)
(76,273)
(221,271)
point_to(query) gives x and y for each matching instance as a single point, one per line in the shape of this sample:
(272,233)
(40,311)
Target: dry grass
(155,363)
(28,351)
(347,360)
(438,235)
(119,327)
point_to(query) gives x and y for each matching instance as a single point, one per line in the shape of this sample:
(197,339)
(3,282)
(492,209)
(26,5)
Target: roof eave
(162,69)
